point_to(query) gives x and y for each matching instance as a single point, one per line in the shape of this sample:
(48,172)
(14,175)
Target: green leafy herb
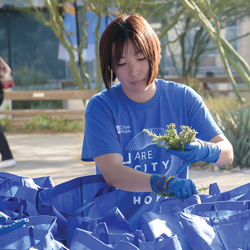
(201,190)
(171,139)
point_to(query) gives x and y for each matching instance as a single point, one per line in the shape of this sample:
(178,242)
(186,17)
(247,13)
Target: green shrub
(5,123)
(236,126)
(221,103)
(194,84)
(61,124)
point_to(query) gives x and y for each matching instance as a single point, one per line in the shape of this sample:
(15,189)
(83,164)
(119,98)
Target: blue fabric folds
(69,196)
(23,187)
(220,233)
(113,223)
(217,225)
(35,234)
(82,214)
(155,224)
(203,221)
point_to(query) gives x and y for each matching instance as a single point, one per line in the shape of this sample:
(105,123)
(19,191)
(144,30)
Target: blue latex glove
(197,150)
(181,188)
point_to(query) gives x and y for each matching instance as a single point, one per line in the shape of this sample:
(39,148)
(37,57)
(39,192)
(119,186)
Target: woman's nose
(133,70)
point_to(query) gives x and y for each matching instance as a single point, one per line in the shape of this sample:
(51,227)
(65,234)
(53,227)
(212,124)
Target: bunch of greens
(201,190)
(171,139)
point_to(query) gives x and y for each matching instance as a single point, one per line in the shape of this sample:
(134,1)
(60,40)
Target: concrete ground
(58,155)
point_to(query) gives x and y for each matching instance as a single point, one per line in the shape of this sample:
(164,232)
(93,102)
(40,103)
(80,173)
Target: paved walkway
(58,155)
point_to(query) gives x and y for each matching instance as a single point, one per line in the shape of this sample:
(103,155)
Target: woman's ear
(113,76)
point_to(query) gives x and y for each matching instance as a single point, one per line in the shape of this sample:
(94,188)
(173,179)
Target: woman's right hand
(181,188)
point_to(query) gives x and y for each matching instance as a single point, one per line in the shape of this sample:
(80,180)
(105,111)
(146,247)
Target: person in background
(5,80)
(115,118)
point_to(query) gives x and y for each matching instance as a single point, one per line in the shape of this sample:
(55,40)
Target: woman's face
(133,71)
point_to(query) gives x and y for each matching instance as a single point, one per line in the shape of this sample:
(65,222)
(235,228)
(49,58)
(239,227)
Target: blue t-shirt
(114,124)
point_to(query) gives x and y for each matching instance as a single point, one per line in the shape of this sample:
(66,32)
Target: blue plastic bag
(125,245)
(8,227)
(74,196)
(173,204)
(42,182)
(17,208)
(160,243)
(209,223)
(4,218)
(200,233)
(155,224)
(217,233)
(103,203)
(240,193)
(234,230)
(60,228)
(87,240)
(35,234)
(114,221)
(17,186)
(29,238)
(83,240)
(218,208)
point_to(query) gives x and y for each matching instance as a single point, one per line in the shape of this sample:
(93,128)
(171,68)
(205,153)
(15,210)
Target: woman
(115,118)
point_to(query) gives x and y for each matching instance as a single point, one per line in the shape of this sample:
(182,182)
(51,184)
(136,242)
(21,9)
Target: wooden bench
(203,79)
(47,95)
(206,80)
(84,95)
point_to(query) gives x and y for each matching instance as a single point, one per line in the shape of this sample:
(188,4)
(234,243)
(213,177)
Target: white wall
(75,104)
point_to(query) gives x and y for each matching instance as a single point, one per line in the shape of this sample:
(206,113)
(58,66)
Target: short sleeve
(100,135)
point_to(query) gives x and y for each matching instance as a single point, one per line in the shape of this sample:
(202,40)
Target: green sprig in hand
(201,190)
(171,139)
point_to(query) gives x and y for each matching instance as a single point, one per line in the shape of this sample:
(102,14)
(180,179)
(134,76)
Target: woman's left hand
(197,150)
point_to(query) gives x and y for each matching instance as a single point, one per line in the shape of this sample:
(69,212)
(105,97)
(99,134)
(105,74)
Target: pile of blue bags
(81,215)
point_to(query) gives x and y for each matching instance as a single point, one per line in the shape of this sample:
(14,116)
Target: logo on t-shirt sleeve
(123,129)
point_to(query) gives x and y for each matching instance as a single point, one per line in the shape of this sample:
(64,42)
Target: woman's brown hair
(138,30)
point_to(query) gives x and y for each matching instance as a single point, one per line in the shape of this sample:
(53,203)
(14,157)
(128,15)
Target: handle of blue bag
(20,215)
(39,203)
(214,189)
(81,209)
(102,191)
